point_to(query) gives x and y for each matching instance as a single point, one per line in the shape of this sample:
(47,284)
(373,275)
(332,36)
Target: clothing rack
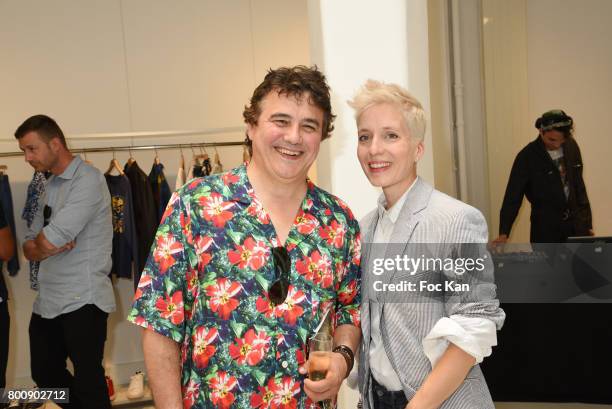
(139,148)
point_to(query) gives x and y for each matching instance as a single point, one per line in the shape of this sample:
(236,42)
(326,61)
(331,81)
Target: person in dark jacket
(7,250)
(549,172)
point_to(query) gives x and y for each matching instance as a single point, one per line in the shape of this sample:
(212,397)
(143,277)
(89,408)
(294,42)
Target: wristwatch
(348,355)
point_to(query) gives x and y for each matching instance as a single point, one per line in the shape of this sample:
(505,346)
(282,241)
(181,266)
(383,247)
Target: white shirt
(380,365)
(476,336)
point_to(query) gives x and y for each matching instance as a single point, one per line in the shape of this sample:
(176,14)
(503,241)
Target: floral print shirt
(205,286)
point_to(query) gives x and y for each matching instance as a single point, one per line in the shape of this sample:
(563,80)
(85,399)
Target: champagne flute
(319,359)
(320,347)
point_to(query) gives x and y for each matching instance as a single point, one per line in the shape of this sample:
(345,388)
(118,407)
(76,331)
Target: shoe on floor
(111,388)
(136,388)
(14,404)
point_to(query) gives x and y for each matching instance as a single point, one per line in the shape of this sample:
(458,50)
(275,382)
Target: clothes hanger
(131,158)
(205,161)
(85,157)
(196,159)
(203,154)
(156,160)
(217,165)
(3,168)
(182,160)
(114,165)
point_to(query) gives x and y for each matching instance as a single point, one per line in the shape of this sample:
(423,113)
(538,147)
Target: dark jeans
(80,336)
(384,399)
(5,324)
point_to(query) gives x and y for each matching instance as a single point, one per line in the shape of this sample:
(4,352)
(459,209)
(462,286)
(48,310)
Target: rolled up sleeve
(80,206)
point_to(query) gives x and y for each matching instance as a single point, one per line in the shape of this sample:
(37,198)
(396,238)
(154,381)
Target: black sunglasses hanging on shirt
(46,215)
(282,265)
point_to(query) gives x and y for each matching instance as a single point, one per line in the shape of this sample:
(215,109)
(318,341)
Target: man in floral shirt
(246,264)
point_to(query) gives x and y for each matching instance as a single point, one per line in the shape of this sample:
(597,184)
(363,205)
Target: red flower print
(190,394)
(357,250)
(167,212)
(284,393)
(333,234)
(316,268)
(166,248)
(265,395)
(222,386)
(141,321)
(186,228)
(214,209)
(300,356)
(203,243)
(250,349)
(256,210)
(264,306)
(355,316)
(348,293)
(305,223)
(221,294)
(202,345)
(290,310)
(251,253)
(230,179)
(137,294)
(191,276)
(171,307)
(145,280)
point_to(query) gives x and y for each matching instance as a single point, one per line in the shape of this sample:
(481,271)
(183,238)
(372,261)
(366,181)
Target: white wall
(354,41)
(569,67)
(541,55)
(119,66)
(508,121)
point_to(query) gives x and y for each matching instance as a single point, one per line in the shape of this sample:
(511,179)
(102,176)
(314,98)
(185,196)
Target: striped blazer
(433,224)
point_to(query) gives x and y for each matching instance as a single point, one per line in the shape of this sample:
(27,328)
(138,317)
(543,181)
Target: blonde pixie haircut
(376,92)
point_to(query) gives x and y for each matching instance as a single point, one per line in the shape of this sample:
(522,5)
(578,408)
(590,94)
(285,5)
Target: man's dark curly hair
(292,81)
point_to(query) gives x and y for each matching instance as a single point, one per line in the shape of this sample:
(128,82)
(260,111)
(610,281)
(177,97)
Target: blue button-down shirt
(80,211)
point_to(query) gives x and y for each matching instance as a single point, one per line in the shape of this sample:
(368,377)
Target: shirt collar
(394,211)
(242,191)
(70,170)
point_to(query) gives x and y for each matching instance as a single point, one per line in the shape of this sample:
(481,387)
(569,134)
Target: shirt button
(285,364)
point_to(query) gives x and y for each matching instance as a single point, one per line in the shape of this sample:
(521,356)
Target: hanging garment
(196,170)
(217,165)
(160,189)
(145,214)
(36,190)
(124,230)
(206,165)
(180,176)
(7,205)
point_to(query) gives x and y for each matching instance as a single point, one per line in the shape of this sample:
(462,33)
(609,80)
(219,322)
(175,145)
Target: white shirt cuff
(474,335)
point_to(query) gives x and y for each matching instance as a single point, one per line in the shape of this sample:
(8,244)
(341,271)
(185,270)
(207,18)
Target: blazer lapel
(407,220)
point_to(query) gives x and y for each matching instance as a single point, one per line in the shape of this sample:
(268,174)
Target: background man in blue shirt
(71,236)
